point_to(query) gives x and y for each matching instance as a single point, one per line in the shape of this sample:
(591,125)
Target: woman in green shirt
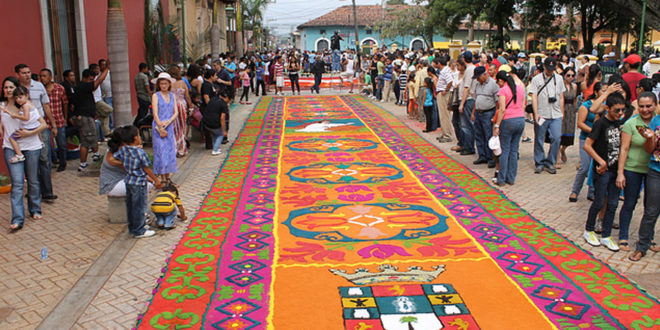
(633,163)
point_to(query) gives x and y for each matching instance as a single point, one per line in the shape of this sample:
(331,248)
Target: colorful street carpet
(330,213)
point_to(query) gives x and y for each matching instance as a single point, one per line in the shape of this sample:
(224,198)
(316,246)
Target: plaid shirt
(135,160)
(58,101)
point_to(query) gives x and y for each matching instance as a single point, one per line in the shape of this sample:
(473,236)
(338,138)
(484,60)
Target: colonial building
(316,33)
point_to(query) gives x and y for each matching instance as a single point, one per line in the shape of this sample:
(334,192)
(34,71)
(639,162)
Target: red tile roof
(343,16)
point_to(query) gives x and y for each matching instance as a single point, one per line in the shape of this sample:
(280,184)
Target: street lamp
(229,10)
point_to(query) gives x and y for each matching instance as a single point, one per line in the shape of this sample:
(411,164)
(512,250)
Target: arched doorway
(368,45)
(417,44)
(322,44)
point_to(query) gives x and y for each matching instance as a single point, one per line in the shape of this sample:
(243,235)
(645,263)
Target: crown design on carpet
(390,273)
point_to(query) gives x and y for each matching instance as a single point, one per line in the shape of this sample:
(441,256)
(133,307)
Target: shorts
(280,82)
(87,132)
(347,75)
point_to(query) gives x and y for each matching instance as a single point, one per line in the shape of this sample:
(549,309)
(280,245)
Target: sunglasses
(570,75)
(618,110)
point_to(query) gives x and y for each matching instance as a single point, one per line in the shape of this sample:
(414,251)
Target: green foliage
(155,34)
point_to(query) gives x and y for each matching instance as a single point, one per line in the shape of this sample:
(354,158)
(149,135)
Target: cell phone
(641,127)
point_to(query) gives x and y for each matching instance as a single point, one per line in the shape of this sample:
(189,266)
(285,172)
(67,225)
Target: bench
(117,209)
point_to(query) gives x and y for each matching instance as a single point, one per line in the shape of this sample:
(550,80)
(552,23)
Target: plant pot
(5,189)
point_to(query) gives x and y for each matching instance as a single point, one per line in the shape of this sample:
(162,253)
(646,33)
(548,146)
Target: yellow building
(198,21)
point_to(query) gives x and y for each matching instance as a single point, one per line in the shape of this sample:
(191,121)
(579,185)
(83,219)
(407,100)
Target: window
(369,31)
(322,31)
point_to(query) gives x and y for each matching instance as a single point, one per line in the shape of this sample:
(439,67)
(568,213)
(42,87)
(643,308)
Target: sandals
(37,216)
(17,159)
(636,256)
(15,227)
(654,247)
(624,246)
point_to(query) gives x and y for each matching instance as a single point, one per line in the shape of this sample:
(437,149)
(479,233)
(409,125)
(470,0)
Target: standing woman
(651,188)
(568,121)
(429,97)
(510,125)
(593,76)
(194,77)
(30,145)
(183,103)
(293,69)
(633,163)
(165,113)
(585,120)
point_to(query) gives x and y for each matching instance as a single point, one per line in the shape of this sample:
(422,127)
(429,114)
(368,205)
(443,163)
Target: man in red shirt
(632,76)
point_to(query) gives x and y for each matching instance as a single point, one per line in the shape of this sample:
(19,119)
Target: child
(163,206)
(29,117)
(412,97)
(428,104)
(603,146)
(245,81)
(260,78)
(136,162)
(403,80)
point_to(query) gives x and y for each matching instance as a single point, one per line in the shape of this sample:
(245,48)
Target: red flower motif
(443,246)
(382,251)
(315,251)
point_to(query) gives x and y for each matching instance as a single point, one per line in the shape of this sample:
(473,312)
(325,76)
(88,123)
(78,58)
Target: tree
(215,32)
(410,320)
(117,40)
(411,20)
(395,2)
(253,11)
(448,15)
(499,13)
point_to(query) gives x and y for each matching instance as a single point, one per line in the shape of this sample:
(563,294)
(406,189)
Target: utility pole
(383,3)
(357,38)
(183,32)
(641,30)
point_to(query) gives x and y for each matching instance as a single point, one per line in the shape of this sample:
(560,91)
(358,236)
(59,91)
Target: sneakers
(147,233)
(216,152)
(538,169)
(550,169)
(82,167)
(96,157)
(526,140)
(591,238)
(608,242)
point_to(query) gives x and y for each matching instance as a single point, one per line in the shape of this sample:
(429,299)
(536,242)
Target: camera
(552,99)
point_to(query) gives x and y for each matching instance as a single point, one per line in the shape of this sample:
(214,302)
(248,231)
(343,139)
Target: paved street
(96,277)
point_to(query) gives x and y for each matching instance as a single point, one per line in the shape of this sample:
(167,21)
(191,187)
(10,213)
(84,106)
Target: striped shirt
(444,78)
(165,202)
(135,160)
(403,79)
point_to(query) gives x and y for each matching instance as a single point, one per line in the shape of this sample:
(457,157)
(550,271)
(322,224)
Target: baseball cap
(467,55)
(521,54)
(505,68)
(478,71)
(632,59)
(610,54)
(550,63)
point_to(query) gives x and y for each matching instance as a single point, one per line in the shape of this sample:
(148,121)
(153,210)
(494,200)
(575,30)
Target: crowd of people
(482,102)
(486,103)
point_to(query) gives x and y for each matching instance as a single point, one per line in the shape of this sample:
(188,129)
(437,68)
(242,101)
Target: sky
(283,16)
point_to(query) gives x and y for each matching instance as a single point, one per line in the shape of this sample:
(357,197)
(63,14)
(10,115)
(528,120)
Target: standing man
(467,105)
(106,85)
(348,72)
(482,116)
(69,84)
(103,110)
(85,112)
(278,70)
(547,91)
(445,80)
(41,101)
(230,66)
(336,53)
(318,68)
(632,76)
(143,91)
(59,105)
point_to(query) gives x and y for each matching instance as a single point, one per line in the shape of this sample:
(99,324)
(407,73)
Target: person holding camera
(547,90)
